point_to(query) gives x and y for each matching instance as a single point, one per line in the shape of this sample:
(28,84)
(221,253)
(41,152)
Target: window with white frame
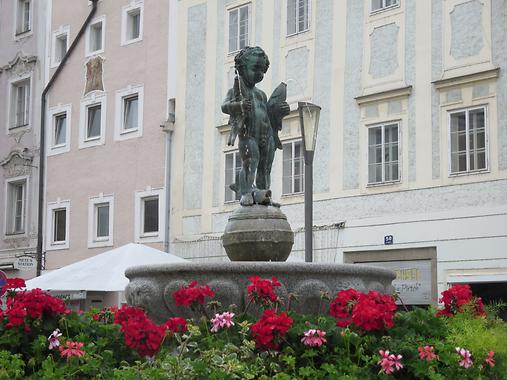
(58,218)
(100,221)
(20,104)
(23,16)
(239,25)
(60,45)
(468,145)
(92,121)
(58,137)
(16,206)
(132,23)
(129,113)
(377,5)
(383,153)
(96,36)
(149,213)
(293,168)
(298,16)
(232,169)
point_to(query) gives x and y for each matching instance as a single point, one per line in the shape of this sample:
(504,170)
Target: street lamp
(309,122)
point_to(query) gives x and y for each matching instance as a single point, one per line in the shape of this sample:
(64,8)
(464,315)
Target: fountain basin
(151,286)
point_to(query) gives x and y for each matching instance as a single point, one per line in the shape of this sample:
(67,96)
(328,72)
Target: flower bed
(363,336)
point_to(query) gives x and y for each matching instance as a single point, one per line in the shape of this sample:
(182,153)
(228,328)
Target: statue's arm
(232,107)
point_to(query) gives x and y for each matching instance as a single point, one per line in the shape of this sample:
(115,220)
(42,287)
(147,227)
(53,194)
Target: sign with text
(25,263)
(413,280)
(388,239)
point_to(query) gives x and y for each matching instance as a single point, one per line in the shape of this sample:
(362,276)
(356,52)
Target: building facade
(106,129)
(22,80)
(410,168)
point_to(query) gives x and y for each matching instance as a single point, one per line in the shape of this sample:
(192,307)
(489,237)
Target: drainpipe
(168,128)
(42,150)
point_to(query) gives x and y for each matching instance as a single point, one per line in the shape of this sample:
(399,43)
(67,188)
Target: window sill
(14,234)
(380,184)
(20,35)
(467,173)
(56,246)
(293,195)
(101,243)
(127,132)
(297,33)
(149,235)
(16,127)
(132,41)
(94,53)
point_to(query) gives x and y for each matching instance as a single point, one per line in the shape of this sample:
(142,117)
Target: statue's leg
(269,157)
(249,153)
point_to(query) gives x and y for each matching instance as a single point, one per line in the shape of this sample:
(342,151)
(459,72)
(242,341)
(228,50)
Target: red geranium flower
(263,291)
(33,303)
(140,333)
(72,349)
(269,331)
(192,295)
(176,325)
(371,311)
(456,297)
(15,283)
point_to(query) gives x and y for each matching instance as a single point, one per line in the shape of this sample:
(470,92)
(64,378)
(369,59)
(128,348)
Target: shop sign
(25,263)
(413,280)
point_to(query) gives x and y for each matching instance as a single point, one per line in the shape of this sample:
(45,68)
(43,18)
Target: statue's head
(251,63)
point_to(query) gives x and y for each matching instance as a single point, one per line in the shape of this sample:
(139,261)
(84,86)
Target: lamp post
(309,122)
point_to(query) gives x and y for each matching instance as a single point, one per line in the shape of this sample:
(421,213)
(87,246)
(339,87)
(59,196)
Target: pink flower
(314,338)
(389,363)
(222,320)
(489,359)
(53,339)
(466,357)
(73,349)
(426,353)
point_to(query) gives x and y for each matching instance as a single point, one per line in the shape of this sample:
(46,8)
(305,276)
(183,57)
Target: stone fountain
(258,238)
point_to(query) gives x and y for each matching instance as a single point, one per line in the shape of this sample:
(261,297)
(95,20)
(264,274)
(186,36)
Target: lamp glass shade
(309,122)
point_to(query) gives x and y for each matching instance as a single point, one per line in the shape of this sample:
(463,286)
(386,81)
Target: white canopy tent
(104,272)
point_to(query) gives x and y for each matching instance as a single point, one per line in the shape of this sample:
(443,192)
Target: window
(149,214)
(129,113)
(23,17)
(92,124)
(93,121)
(60,130)
(377,5)
(60,45)
(383,147)
(100,221)
(59,225)
(58,215)
(232,169)
(16,206)
(58,137)
(468,140)
(293,168)
(20,104)
(95,37)
(239,28)
(297,16)
(132,23)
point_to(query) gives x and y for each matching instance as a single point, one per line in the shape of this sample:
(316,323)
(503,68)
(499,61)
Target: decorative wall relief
(467,34)
(94,75)
(296,71)
(384,50)
(17,163)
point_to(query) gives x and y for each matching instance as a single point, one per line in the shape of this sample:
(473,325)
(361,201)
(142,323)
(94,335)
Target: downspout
(42,150)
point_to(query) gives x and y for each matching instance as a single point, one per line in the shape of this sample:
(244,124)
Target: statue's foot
(246,200)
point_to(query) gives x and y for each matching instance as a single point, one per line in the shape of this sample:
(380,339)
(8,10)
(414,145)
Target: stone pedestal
(258,233)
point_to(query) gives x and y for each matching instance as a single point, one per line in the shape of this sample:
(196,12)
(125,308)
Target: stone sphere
(258,233)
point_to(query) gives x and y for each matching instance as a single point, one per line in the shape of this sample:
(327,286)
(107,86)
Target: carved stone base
(151,287)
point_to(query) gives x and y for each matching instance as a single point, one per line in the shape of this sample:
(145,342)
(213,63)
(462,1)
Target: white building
(410,168)
(22,80)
